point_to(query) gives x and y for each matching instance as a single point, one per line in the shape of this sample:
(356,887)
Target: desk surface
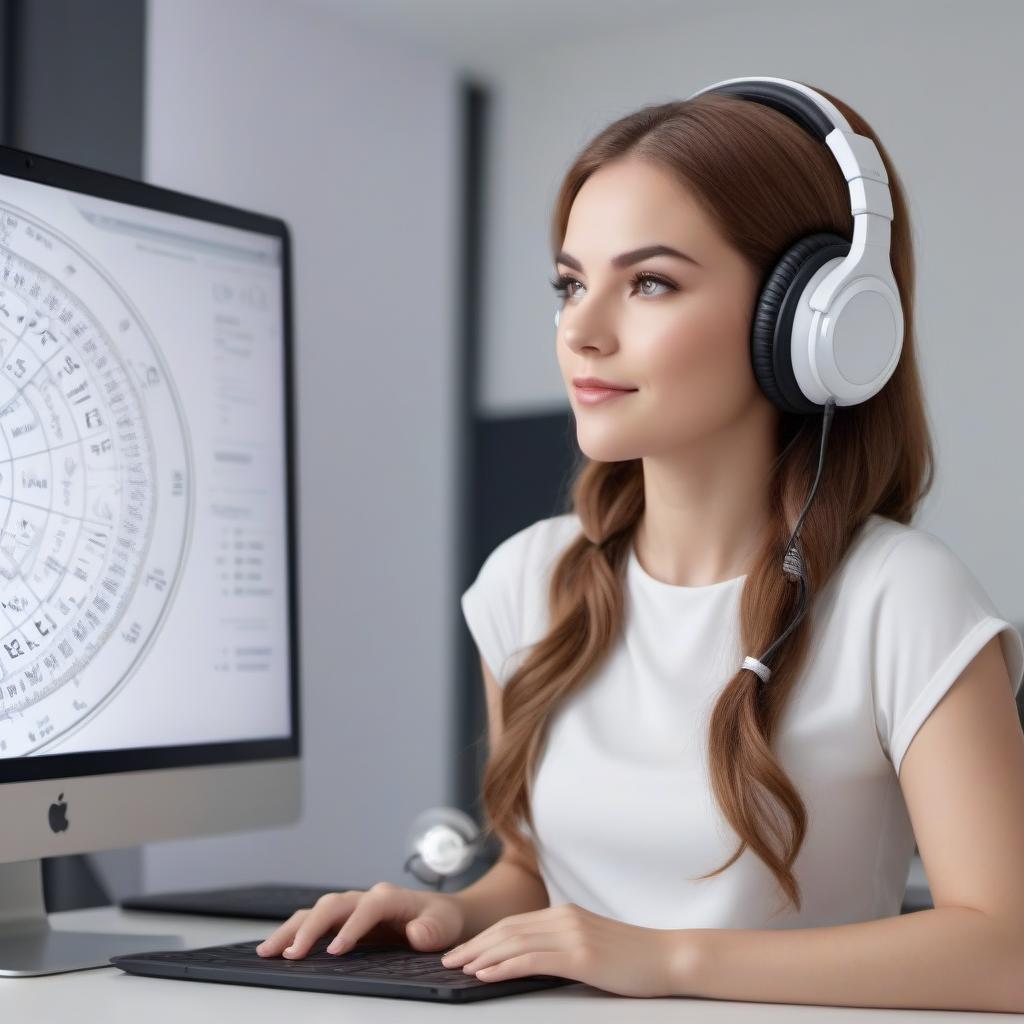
(109,995)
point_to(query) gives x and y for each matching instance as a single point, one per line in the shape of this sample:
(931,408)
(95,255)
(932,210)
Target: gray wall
(351,138)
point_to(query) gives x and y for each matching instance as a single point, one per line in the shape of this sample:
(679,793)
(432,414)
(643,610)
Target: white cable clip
(759,667)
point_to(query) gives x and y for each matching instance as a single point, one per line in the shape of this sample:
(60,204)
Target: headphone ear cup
(771,333)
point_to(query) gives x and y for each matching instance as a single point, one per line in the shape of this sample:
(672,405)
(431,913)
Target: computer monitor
(148,558)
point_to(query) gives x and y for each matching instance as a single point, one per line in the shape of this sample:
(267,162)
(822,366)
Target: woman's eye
(566,287)
(643,279)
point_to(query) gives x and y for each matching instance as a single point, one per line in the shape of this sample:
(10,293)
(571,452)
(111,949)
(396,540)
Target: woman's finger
(282,935)
(527,964)
(498,931)
(518,945)
(383,902)
(327,912)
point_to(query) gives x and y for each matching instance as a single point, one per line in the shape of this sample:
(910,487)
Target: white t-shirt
(625,816)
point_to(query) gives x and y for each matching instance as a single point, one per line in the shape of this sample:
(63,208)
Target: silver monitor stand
(28,945)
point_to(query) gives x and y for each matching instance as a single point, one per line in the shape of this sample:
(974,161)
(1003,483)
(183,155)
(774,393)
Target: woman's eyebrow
(627,258)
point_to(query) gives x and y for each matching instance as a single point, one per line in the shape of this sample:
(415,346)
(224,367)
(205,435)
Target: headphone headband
(857,156)
(812,111)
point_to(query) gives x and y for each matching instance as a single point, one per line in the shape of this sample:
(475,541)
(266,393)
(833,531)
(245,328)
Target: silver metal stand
(28,945)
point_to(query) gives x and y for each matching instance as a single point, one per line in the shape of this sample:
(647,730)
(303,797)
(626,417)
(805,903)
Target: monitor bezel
(18,163)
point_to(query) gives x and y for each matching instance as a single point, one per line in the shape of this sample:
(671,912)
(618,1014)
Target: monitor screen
(146,588)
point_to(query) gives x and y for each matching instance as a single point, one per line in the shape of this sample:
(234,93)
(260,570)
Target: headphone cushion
(771,334)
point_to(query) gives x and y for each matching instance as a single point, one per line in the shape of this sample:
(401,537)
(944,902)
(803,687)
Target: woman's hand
(567,941)
(382,913)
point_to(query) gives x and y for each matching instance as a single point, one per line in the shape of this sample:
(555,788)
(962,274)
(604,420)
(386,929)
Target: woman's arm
(506,889)
(950,958)
(511,886)
(963,781)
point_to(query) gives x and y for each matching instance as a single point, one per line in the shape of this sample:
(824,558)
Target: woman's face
(680,338)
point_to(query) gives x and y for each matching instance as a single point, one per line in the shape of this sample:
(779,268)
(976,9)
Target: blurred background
(415,148)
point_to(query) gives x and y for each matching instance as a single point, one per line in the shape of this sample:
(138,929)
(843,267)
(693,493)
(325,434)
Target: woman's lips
(592,396)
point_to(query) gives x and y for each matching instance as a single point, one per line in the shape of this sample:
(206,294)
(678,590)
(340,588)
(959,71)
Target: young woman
(703,818)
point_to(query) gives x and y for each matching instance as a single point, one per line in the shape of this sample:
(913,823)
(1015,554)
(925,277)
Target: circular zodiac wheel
(95,486)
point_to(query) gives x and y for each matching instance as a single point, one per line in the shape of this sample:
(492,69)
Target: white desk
(109,995)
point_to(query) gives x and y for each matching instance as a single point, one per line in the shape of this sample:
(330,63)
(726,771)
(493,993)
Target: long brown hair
(765,183)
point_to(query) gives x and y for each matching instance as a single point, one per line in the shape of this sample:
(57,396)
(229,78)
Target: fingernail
(289,949)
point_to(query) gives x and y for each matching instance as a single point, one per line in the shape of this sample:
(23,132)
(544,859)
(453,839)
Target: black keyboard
(380,961)
(367,969)
(274,901)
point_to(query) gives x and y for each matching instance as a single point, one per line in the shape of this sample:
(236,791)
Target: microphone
(442,843)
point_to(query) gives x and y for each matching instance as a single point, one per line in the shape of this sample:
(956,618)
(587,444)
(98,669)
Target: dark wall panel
(7,34)
(75,81)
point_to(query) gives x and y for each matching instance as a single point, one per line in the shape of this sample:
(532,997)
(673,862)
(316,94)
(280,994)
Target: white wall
(281,106)
(940,84)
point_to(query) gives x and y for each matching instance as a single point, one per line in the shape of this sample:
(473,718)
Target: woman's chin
(604,450)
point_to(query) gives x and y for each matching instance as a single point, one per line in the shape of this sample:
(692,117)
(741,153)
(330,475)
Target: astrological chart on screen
(112,349)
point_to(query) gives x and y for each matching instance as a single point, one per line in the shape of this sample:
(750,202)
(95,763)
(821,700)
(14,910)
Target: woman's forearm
(951,958)
(505,890)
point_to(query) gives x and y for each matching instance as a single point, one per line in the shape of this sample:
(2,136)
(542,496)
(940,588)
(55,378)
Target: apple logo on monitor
(59,815)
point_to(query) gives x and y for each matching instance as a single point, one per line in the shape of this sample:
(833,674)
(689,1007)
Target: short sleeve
(493,605)
(932,617)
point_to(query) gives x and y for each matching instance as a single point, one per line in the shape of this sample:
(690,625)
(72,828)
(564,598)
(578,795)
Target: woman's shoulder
(880,536)
(890,556)
(540,541)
